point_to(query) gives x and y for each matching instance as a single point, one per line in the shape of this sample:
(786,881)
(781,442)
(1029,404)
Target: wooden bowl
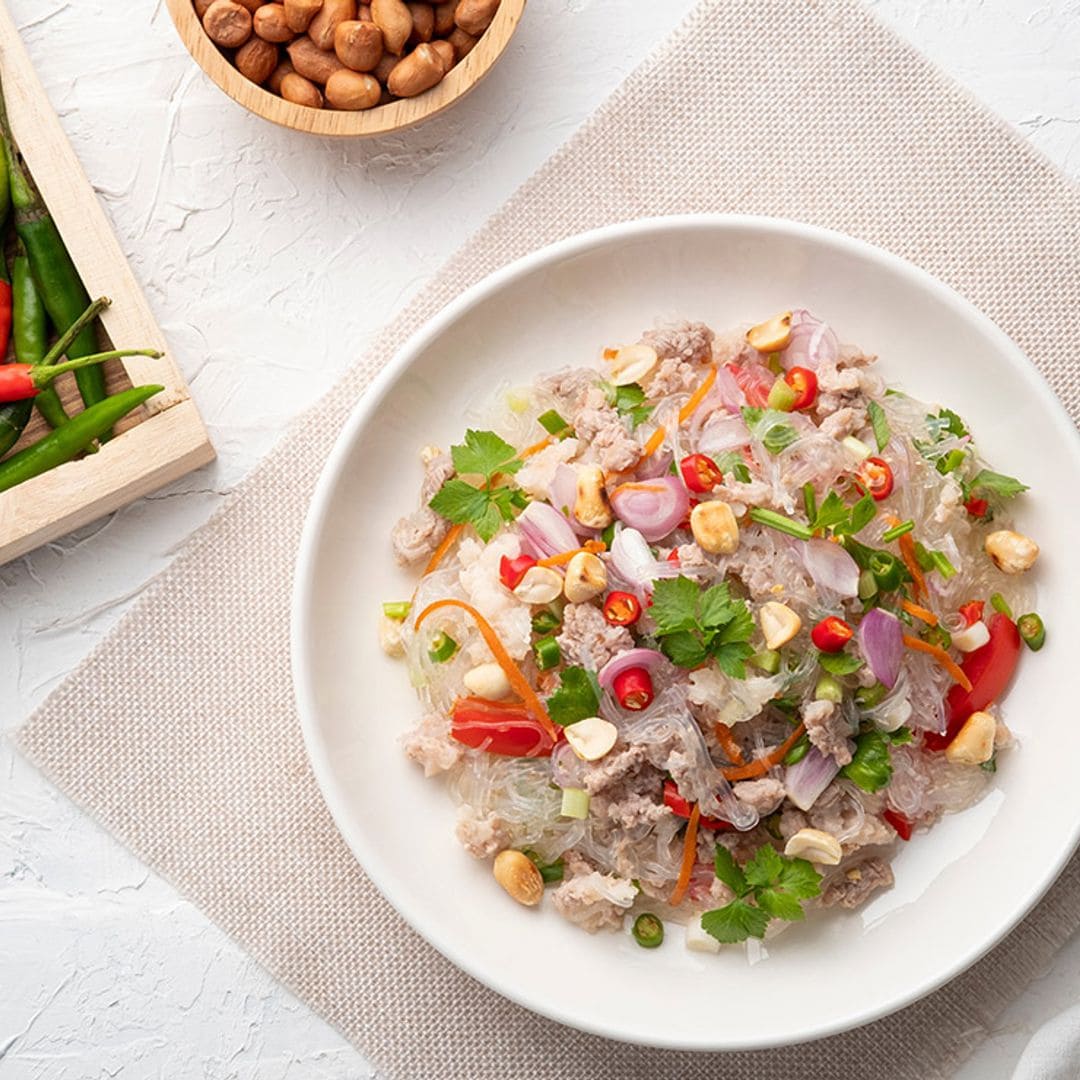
(378,121)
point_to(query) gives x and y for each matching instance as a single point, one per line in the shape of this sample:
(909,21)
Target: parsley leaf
(839,663)
(578,697)
(871,765)
(485,453)
(774,883)
(880,423)
(694,626)
(1004,487)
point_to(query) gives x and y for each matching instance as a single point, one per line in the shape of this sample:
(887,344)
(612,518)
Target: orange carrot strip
(592,547)
(923,614)
(698,396)
(941,656)
(654,443)
(513,673)
(907,553)
(762,765)
(727,743)
(689,857)
(441,551)
(543,444)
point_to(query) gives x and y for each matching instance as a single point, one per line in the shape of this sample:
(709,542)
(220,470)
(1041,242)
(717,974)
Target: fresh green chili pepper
(29,334)
(74,437)
(999,603)
(547,653)
(442,648)
(545,621)
(1032,631)
(61,289)
(886,570)
(648,931)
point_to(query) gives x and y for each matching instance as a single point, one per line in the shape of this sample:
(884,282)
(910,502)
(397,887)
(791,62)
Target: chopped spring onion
(880,424)
(741,472)
(768,660)
(809,501)
(782,397)
(1032,631)
(828,689)
(575,803)
(550,872)
(545,621)
(398,610)
(648,931)
(942,564)
(553,423)
(867,585)
(608,535)
(866,697)
(797,752)
(780,523)
(999,603)
(547,653)
(442,648)
(898,530)
(886,570)
(856,446)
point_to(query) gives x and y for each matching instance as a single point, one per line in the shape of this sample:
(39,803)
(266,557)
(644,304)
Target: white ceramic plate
(959,889)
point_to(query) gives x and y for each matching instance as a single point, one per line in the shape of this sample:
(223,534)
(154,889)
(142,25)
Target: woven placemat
(179,733)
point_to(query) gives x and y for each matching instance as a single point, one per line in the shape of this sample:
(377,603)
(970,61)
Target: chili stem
(63,342)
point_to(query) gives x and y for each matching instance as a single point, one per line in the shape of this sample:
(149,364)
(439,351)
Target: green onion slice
(780,523)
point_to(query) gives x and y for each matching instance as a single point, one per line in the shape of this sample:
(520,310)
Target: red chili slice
(700,473)
(633,689)
(804,382)
(875,478)
(831,634)
(901,825)
(622,608)
(499,728)
(511,571)
(972,612)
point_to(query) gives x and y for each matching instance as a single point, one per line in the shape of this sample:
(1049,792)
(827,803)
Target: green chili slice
(547,653)
(553,423)
(648,931)
(1032,631)
(397,610)
(545,622)
(886,570)
(866,697)
(442,648)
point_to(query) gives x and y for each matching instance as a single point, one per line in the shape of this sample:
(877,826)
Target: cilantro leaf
(729,871)
(735,922)
(732,658)
(1004,487)
(880,423)
(778,438)
(831,512)
(839,663)
(483,452)
(684,649)
(463,504)
(628,401)
(715,607)
(764,867)
(780,905)
(954,425)
(871,765)
(674,605)
(862,513)
(578,697)
(799,878)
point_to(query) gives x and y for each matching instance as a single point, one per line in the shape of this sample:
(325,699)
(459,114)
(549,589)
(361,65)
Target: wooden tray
(160,442)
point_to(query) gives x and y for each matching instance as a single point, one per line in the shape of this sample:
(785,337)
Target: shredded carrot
(592,547)
(543,444)
(441,551)
(654,443)
(941,656)
(762,765)
(513,673)
(923,614)
(727,743)
(907,553)
(610,354)
(689,857)
(641,485)
(698,396)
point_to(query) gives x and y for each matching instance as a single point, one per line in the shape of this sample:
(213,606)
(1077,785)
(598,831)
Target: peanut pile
(342,54)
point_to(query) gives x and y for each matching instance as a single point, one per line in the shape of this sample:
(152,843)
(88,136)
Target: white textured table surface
(265,256)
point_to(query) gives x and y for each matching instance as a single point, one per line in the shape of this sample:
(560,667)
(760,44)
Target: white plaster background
(264,255)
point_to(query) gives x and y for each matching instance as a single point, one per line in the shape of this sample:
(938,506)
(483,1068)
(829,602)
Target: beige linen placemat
(179,733)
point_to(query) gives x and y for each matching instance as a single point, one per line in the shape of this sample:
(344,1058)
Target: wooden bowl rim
(381,120)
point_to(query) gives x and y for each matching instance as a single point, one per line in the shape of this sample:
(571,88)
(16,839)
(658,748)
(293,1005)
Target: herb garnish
(839,663)
(694,626)
(770,427)
(871,765)
(841,519)
(577,698)
(628,401)
(770,886)
(485,507)
(992,483)
(880,423)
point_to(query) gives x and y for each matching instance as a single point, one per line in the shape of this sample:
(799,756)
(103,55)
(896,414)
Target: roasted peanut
(463,43)
(591,506)
(814,845)
(714,527)
(363,13)
(423,22)
(446,53)
(299,13)
(1012,552)
(630,363)
(311,62)
(772,334)
(488,681)
(359,45)
(383,68)
(417,72)
(474,16)
(591,738)
(256,59)
(279,73)
(251,5)
(444,18)
(322,28)
(394,19)
(227,24)
(301,91)
(779,624)
(352,90)
(271,25)
(540,585)
(974,743)
(586,578)
(518,875)
(201,6)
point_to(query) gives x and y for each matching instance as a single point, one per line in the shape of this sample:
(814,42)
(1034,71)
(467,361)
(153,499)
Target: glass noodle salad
(707,629)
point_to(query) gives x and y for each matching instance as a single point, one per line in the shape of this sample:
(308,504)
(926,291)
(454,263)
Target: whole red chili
(831,634)
(622,608)
(700,473)
(804,382)
(5,312)
(21,381)
(511,571)
(875,478)
(633,689)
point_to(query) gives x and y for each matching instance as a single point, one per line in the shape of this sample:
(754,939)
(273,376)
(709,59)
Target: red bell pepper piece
(511,571)
(499,728)
(681,808)
(831,634)
(804,382)
(990,669)
(901,825)
(700,473)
